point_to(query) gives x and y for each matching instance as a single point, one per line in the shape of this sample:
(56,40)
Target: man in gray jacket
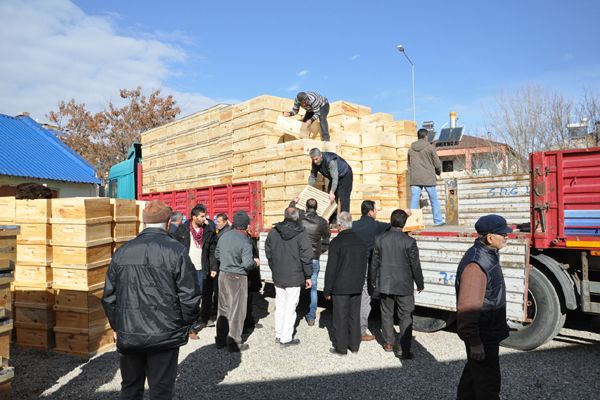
(234,252)
(394,270)
(423,165)
(289,252)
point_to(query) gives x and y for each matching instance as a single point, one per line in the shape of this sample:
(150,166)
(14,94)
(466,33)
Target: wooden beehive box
(6,328)
(7,210)
(8,246)
(34,313)
(34,254)
(82,257)
(33,275)
(80,300)
(123,210)
(81,235)
(5,301)
(32,233)
(324,207)
(33,294)
(36,211)
(81,210)
(80,319)
(34,336)
(124,231)
(77,278)
(83,342)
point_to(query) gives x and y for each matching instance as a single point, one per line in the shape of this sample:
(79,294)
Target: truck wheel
(543,309)
(432,320)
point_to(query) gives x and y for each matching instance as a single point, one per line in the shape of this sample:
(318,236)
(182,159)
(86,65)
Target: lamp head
(400,48)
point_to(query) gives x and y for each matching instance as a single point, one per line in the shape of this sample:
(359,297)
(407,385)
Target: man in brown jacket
(423,165)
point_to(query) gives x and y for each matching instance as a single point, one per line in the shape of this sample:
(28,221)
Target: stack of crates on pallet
(82,249)
(8,238)
(124,221)
(34,298)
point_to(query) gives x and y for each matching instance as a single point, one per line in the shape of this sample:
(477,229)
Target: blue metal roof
(28,150)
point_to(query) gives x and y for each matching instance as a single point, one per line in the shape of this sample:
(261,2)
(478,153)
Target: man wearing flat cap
(151,300)
(234,252)
(481,309)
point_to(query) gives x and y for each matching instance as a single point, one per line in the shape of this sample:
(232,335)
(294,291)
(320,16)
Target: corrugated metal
(439,260)
(28,150)
(507,195)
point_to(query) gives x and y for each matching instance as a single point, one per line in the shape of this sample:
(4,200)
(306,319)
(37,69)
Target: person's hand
(257,261)
(213,274)
(286,113)
(308,284)
(308,123)
(327,297)
(332,197)
(420,290)
(296,199)
(115,335)
(477,352)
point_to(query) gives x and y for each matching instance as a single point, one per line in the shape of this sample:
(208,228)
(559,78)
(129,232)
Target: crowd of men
(177,278)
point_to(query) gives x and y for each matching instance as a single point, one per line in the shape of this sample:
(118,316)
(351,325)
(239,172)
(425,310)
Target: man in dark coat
(201,246)
(317,229)
(339,173)
(289,253)
(423,165)
(368,228)
(344,277)
(395,269)
(151,300)
(481,309)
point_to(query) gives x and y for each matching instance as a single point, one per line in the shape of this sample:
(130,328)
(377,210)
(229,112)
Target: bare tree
(533,119)
(105,137)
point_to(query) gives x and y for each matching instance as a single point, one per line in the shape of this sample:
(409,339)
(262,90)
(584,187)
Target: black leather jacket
(318,232)
(151,295)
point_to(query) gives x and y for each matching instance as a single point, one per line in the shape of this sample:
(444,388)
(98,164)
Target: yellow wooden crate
(81,210)
(33,275)
(80,319)
(67,277)
(35,313)
(34,337)
(32,233)
(82,257)
(123,210)
(33,294)
(83,343)
(124,231)
(7,210)
(34,254)
(69,299)
(81,235)
(36,211)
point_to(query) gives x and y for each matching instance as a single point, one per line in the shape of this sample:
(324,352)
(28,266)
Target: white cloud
(293,87)
(304,72)
(354,57)
(52,51)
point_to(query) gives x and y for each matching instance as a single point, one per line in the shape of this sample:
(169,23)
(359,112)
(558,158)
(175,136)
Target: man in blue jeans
(423,166)
(318,232)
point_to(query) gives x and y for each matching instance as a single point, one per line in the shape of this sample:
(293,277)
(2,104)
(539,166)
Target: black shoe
(310,322)
(199,326)
(220,343)
(333,350)
(406,355)
(292,342)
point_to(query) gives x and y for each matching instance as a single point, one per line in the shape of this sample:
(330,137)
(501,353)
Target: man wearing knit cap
(234,252)
(151,300)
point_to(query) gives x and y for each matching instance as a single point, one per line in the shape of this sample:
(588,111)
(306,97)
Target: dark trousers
(343,191)
(160,367)
(233,303)
(404,307)
(481,379)
(322,120)
(346,322)
(210,297)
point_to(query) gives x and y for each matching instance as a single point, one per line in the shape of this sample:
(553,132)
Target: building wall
(64,189)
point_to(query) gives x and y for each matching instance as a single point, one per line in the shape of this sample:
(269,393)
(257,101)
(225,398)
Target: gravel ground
(566,368)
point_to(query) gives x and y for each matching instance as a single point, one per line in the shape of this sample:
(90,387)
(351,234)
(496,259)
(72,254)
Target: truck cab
(122,177)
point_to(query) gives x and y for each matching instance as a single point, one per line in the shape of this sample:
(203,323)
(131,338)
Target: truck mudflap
(440,256)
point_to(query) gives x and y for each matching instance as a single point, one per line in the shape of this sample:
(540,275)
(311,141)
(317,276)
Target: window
(448,166)
(112,188)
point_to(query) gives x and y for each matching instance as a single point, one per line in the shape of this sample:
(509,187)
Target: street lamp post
(402,50)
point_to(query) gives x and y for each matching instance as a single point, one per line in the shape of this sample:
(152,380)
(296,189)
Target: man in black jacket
(289,253)
(151,300)
(367,228)
(318,232)
(346,267)
(394,268)
(201,247)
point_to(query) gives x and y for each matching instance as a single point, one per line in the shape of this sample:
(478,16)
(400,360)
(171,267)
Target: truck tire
(432,320)
(545,312)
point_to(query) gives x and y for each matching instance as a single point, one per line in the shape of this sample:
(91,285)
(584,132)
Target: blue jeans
(312,311)
(433,199)
(200,278)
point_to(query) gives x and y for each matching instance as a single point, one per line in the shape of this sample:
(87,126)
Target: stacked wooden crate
(82,250)
(34,297)
(8,237)
(124,221)
(243,142)
(139,208)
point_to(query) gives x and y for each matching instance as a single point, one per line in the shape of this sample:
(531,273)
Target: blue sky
(465,52)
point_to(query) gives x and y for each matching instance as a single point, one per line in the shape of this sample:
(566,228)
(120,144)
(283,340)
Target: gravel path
(566,368)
